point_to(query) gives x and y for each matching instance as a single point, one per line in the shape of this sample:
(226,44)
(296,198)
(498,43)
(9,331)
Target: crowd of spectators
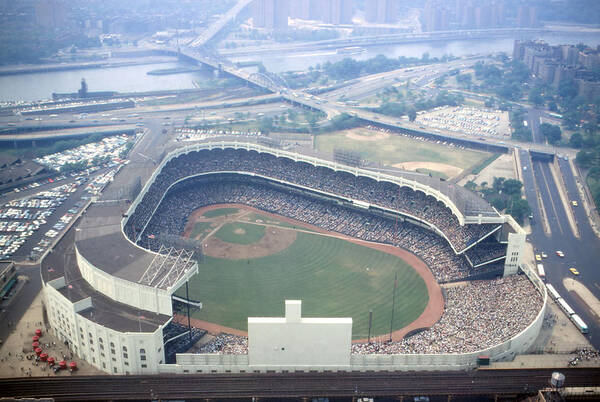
(183,343)
(383,194)
(476,316)
(195,193)
(486,252)
(226,344)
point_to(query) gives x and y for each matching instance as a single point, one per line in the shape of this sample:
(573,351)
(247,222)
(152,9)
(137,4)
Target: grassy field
(332,277)
(213,213)
(396,149)
(199,227)
(240,233)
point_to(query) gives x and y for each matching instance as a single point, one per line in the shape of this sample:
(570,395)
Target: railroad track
(290,385)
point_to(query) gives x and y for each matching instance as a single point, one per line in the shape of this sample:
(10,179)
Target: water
(30,87)
(303,60)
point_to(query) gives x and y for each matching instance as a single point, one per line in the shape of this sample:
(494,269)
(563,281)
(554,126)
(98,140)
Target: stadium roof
(103,310)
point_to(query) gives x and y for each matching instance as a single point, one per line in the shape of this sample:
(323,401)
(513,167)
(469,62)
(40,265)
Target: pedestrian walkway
(17,358)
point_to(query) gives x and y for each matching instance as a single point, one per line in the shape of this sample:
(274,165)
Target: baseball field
(403,152)
(254,261)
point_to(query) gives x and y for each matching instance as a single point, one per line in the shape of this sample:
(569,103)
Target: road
(583,252)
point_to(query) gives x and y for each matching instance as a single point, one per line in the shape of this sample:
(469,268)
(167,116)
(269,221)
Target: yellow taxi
(574,271)
(574,203)
(538,257)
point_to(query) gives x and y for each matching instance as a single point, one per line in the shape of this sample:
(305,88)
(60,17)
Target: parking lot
(108,149)
(28,225)
(468,120)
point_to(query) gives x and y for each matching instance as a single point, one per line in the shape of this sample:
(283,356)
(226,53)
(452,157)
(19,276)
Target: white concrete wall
(207,363)
(514,253)
(296,341)
(123,291)
(111,351)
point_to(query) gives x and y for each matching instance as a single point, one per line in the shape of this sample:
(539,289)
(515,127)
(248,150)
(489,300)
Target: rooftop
(105,311)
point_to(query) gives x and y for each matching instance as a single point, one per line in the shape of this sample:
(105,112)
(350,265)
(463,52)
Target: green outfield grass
(251,233)
(213,213)
(332,277)
(199,227)
(398,149)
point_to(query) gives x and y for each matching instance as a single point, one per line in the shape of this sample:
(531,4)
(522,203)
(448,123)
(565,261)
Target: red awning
(43,357)
(38,332)
(35,345)
(51,361)
(62,363)
(35,338)
(73,365)
(38,351)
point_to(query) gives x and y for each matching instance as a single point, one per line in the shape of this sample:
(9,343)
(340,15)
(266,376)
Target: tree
(518,208)
(412,114)
(512,187)
(498,183)
(584,158)
(535,96)
(551,132)
(464,79)
(567,89)
(576,140)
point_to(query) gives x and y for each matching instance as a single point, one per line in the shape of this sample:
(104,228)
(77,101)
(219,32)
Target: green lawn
(329,275)
(199,227)
(213,213)
(397,149)
(251,233)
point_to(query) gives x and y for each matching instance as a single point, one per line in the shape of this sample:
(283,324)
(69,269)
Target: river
(37,86)
(459,48)
(30,87)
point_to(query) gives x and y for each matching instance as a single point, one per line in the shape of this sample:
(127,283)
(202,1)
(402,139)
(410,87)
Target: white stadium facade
(109,294)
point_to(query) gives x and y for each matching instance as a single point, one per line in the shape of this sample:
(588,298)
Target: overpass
(215,28)
(386,39)
(197,52)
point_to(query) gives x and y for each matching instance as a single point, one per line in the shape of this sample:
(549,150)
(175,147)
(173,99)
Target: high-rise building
(270,14)
(341,11)
(498,15)
(435,17)
(381,11)
(483,17)
(300,9)
(50,13)
(527,16)
(329,11)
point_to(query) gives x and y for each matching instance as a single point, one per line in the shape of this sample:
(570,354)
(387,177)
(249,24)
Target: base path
(430,315)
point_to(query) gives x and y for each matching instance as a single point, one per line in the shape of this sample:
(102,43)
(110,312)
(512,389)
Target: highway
(215,28)
(384,39)
(507,382)
(583,252)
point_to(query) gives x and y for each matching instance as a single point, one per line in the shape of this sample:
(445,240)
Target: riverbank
(112,63)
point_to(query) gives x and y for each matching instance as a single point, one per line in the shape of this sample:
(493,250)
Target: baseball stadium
(192,274)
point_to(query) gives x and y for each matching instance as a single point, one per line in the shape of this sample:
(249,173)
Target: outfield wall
(506,351)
